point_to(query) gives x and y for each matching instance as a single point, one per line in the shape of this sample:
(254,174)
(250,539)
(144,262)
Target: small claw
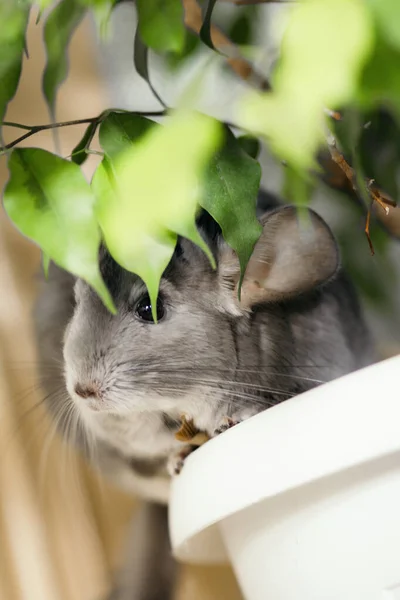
(178,466)
(226,424)
(177,460)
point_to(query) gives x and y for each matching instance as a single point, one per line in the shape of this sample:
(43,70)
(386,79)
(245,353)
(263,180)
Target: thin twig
(32,129)
(53,125)
(375,194)
(18,125)
(339,159)
(36,129)
(367,232)
(380,197)
(194,21)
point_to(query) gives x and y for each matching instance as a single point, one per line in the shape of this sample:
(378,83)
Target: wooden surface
(61,529)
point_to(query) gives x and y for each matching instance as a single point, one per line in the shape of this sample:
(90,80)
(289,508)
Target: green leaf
(160,24)
(349,130)
(13,22)
(192,42)
(58,30)
(205,31)
(102,10)
(251,145)
(119,131)
(324,50)
(297,187)
(383,133)
(387,15)
(380,83)
(49,201)
(230,189)
(141,62)
(148,195)
(241,32)
(143,254)
(373,276)
(42,4)
(79,153)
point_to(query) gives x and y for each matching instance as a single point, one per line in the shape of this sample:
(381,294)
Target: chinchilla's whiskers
(37,386)
(29,413)
(60,409)
(55,369)
(63,411)
(70,425)
(88,439)
(216,384)
(33,368)
(167,363)
(44,456)
(66,468)
(233,383)
(260,371)
(54,377)
(22,395)
(192,373)
(56,364)
(228,396)
(121,394)
(77,433)
(238,399)
(161,387)
(57,422)
(70,473)
(280,374)
(71,458)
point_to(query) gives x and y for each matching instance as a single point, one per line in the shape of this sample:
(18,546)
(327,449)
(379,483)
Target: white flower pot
(303,499)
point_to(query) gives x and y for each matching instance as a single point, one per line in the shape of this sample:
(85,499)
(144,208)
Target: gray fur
(150,573)
(211,356)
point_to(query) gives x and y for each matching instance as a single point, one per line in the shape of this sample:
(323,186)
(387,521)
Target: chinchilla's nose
(89,390)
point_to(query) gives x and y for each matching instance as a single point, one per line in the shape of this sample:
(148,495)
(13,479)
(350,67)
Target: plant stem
(194,20)
(18,125)
(32,129)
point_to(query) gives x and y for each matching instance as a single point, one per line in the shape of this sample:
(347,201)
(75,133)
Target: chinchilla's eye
(143,309)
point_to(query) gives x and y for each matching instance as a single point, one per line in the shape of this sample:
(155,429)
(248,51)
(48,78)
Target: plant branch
(194,21)
(375,194)
(37,128)
(336,163)
(17,125)
(32,129)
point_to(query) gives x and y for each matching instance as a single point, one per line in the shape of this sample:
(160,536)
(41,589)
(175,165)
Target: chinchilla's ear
(295,253)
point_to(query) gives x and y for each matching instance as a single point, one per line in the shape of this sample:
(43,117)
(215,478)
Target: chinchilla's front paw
(176,460)
(226,422)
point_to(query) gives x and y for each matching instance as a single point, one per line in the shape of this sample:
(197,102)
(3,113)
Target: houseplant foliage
(337,71)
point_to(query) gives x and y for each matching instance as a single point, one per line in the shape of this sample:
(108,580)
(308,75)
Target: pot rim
(338,425)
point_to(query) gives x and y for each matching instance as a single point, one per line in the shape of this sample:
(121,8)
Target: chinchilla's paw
(228,422)
(177,459)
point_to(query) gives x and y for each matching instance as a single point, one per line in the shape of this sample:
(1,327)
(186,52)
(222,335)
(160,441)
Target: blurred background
(61,528)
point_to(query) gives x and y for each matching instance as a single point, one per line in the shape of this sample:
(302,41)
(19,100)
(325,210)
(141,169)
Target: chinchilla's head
(126,362)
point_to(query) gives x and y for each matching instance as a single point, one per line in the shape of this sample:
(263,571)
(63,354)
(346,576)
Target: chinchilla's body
(210,357)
